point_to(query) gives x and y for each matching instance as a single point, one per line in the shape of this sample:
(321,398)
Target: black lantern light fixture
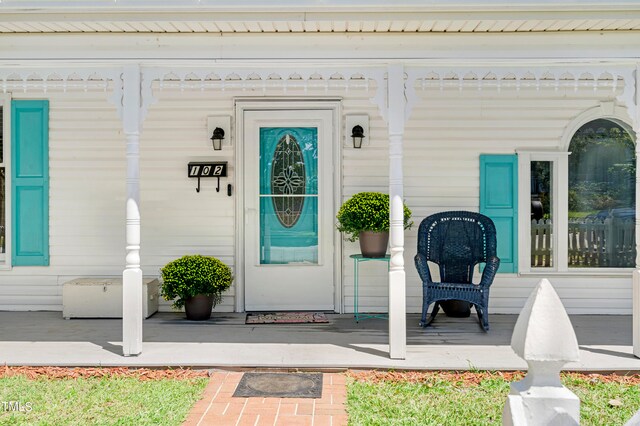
(357,134)
(217,138)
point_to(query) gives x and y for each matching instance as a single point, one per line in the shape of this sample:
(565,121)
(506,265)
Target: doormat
(286,318)
(280,385)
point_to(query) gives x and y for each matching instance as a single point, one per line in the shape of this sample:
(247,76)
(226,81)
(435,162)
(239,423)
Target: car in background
(620,213)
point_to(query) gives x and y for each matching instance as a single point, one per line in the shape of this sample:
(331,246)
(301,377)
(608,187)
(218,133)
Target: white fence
(541,243)
(593,243)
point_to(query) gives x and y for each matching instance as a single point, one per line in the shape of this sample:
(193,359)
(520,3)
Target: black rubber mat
(280,385)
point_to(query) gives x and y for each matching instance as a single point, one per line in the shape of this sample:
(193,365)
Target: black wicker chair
(457,241)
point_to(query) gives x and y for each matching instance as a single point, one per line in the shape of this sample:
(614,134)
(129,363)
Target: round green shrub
(192,275)
(367,211)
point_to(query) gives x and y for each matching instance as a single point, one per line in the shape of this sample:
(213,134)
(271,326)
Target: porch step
(102,297)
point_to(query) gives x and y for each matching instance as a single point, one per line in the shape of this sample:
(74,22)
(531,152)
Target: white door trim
(242,105)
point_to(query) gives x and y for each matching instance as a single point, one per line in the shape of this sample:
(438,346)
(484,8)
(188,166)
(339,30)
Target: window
(541,214)
(3,192)
(579,205)
(542,210)
(602,199)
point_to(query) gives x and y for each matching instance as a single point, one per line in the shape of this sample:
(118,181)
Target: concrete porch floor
(44,338)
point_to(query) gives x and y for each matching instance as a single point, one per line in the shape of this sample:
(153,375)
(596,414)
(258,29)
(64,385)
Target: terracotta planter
(198,308)
(373,244)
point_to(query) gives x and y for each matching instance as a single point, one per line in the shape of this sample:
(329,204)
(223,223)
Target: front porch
(135,96)
(44,338)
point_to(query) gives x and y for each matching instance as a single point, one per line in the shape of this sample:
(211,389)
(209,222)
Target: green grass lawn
(98,400)
(580,215)
(374,398)
(440,400)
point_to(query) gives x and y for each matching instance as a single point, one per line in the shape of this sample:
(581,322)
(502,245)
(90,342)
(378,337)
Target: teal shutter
(499,201)
(30,182)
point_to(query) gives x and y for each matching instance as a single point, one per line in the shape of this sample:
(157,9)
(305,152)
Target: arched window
(578,208)
(601,197)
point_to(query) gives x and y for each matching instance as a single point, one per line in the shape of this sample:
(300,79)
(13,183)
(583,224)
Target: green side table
(357,258)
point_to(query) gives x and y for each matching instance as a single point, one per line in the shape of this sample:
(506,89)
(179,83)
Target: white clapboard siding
(445,134)
(86,207)
(176,219)
(443,139)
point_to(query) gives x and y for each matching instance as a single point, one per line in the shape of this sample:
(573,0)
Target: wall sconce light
(357,134)
(356,131)
(219,126)
(216,138)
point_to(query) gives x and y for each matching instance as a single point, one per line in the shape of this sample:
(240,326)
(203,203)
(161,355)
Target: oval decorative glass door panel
(288,195)
(288,177)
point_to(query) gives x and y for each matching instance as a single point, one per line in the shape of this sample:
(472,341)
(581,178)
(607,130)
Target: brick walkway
(218,407)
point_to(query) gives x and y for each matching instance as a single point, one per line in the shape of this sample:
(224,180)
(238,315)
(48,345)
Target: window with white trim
(542,212)
(577,208)
(602,197)
(4,180)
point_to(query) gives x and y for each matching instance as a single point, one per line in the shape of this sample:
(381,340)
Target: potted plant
(365,217)
(197,283)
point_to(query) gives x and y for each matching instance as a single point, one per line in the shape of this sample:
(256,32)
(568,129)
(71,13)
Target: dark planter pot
(373,244)
(456,308)
(198,308)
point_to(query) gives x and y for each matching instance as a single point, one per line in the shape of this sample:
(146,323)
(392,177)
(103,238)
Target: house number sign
(207,170)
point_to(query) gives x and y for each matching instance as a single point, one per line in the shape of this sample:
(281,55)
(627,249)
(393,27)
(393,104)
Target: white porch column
(397,280)
(132,276)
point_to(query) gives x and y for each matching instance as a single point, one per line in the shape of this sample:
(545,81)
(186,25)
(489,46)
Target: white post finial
(544,337)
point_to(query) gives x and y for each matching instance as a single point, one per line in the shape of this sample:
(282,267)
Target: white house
(105,103)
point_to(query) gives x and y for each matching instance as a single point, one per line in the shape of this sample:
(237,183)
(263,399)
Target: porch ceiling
(266,25)
(328,16)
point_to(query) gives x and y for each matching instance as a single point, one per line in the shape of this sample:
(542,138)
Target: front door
(289,211)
